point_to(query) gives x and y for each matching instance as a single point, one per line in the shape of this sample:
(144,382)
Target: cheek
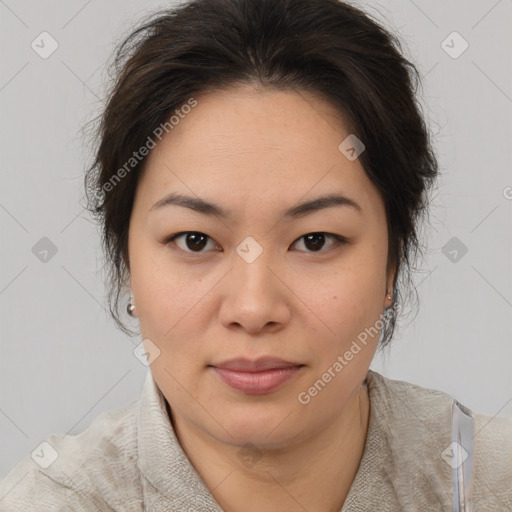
(341,298)
(159,289)
(173,309)
(159,296)
(348,303)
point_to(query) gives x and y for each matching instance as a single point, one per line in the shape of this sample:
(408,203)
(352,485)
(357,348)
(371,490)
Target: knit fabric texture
(130,460)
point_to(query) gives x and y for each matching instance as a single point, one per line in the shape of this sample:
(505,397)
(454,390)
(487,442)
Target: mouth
(256,377)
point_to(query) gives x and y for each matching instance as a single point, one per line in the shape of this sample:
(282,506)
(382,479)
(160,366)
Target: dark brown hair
(327,47)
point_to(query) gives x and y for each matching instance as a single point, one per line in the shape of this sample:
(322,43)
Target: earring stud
(130,307)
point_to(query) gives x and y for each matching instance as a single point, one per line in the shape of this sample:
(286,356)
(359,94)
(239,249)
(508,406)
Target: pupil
(197,240)
(317,238)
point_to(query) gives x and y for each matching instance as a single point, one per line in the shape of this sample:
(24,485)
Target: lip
(256,377)
(242,364)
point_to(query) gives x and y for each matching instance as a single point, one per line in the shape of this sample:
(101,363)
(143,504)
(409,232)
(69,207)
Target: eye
(195,241)
(316,241)
(191,241)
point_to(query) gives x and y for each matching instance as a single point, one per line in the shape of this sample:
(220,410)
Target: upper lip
(255,365)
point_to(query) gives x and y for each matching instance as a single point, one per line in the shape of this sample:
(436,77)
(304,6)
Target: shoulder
(401,399)
(95,469)
(493,462)
(408,408)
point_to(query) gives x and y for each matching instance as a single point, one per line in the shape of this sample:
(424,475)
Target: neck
(313,475)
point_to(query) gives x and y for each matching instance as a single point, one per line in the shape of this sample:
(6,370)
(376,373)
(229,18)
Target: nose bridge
(254,298)
(252,261)
(255,293)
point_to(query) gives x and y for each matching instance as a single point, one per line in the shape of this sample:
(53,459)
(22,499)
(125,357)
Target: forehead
(262,146)
(289,122)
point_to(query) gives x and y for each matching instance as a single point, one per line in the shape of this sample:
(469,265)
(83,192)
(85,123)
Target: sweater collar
(169,481)
(401,467)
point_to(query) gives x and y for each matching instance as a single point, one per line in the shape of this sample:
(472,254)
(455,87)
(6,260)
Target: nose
(256,297)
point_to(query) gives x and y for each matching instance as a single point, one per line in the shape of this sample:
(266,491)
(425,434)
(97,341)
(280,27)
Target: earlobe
(389,299)
(390,285)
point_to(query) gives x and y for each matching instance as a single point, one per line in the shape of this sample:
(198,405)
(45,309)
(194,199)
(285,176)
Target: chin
(262,425)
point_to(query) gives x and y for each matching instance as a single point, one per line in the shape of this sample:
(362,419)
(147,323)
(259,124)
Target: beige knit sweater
(130,460)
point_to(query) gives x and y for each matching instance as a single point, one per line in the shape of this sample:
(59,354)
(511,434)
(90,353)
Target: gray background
(62,359)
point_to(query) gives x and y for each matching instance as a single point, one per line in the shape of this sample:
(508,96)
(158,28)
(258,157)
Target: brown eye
(191,241)
(314,242)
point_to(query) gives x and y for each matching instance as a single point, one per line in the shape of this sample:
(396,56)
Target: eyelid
(172,238)
(338,240)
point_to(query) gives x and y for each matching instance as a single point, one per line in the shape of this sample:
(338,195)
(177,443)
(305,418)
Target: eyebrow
(201,206)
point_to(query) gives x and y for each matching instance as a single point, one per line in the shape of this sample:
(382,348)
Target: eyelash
(338,240)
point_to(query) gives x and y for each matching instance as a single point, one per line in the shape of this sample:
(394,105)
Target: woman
(261,173)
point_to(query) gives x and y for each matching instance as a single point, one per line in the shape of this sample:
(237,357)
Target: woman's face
(251,284)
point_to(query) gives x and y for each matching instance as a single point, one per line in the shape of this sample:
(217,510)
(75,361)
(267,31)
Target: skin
(256,152)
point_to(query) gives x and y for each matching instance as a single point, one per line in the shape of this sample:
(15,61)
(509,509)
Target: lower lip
(257,383)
